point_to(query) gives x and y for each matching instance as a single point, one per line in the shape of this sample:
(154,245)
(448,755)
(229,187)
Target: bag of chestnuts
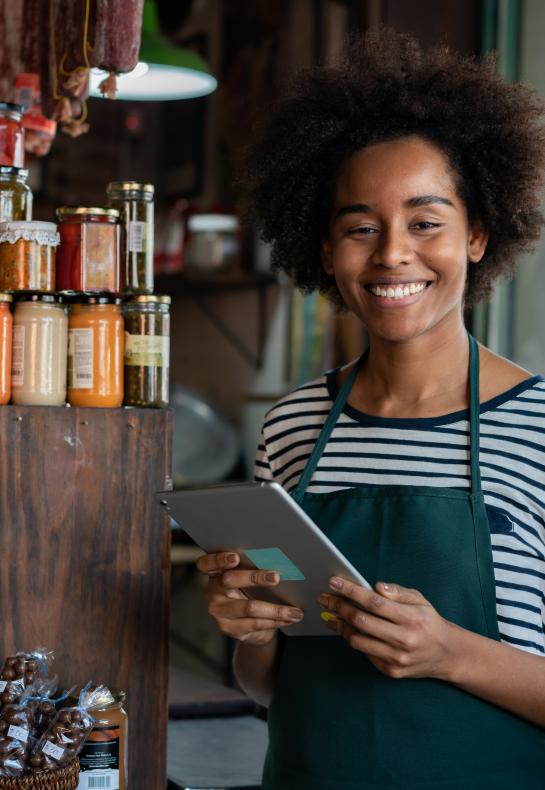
(16,723)
(65,736)
(27,666)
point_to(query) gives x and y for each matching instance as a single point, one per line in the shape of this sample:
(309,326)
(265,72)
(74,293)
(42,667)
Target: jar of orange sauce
(95,353)
(6,322)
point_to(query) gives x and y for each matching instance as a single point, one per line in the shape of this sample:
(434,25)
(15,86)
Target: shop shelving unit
(85,556)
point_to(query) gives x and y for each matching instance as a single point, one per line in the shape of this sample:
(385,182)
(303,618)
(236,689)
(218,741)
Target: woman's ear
(477,241)
(327,257)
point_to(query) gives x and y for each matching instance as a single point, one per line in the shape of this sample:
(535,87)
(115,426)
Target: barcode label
(99,781)
(137,236)
(18,356)
(94,781)
(80,358)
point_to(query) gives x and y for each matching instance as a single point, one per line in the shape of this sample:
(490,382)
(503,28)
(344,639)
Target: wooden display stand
(84,556)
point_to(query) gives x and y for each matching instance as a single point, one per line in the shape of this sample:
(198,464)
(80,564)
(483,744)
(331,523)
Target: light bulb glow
(153,82)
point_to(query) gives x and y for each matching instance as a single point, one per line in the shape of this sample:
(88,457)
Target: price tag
(18,732)
(56,752)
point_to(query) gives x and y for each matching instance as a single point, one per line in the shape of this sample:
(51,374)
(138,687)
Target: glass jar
(27,256)
(39,350)
(103,759)
(213,243)
(147,350)
(5,347)
(12,135)
(88,257)
(95,353)
(135,205)
(15,195)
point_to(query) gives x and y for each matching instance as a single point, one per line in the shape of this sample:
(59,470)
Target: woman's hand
(396,628)
(236,615)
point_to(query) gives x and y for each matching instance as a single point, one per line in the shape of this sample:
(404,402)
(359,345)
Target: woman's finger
(214,564)
(363,621)
(369,600)
(247,628)
(253,578)
(243,608)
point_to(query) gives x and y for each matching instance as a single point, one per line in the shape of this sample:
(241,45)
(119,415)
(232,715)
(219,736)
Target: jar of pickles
(12,135)
(15,194)
(147,350)
(27,256)
(38,361)
(135,205)
(5,347)
(95,353)
(88,256)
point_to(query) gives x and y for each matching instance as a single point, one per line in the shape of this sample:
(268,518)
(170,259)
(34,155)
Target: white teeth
(397,292)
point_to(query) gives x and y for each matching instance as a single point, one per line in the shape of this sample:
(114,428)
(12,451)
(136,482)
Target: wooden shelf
(179,284)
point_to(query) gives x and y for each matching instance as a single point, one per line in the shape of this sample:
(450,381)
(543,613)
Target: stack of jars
(87,327)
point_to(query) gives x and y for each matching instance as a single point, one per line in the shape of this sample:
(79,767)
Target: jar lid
(148,298)
(41,232)
(18,172)
(6,297)
(129,186)
(30,297)
(97,300)
(7,106)
(212,223)
(66,211)
(113,697)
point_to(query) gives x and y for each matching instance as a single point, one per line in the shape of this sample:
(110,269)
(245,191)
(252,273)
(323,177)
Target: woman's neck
(426,376)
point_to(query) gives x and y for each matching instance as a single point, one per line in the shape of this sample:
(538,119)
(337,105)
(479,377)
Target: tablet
(268,529)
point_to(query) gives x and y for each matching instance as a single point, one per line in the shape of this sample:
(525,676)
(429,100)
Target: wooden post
(84,556)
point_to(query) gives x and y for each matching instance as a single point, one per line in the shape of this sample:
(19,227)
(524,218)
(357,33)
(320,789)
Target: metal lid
(130,186)
(6,297)
(7,106)
(18,172)
(96,300)
(40,232)
(148,298)
(65,211)
(30,297)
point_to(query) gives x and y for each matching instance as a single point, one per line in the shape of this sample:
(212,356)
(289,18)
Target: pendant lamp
(164,71)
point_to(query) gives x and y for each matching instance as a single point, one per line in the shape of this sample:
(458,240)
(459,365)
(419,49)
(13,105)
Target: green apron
(336,722)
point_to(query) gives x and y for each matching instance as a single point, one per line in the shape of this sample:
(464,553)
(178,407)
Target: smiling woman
(403,184)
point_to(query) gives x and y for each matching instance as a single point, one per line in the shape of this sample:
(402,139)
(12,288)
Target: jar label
(18,356)
(20,733)
(99,759)
(80,358)
(137,236)
(148,350)
(54,751)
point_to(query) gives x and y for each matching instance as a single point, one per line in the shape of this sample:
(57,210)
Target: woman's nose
(393,248)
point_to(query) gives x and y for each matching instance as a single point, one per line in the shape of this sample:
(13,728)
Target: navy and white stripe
(365,450)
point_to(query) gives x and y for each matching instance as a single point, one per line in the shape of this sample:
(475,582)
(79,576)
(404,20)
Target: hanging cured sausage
(61,40)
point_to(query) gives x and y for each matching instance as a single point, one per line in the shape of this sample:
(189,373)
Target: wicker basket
(61,779)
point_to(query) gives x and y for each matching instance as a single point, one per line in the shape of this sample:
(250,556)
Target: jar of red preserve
(12,135)
(88,256)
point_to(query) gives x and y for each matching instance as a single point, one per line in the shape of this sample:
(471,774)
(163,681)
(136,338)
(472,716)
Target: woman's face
(400,241)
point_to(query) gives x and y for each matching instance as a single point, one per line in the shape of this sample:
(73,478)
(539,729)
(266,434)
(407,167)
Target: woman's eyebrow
(413,202)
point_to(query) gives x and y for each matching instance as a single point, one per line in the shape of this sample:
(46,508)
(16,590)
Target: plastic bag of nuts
(27,666)
(64,738)
(16,725)
(10,692)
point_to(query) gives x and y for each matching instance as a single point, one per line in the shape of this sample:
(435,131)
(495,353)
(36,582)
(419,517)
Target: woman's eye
(426,225)
(364,230)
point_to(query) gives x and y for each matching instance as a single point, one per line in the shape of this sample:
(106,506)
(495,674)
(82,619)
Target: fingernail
(332,624)
(335,583)
(270,577)
(295,615)
(327,616)
(323,599)
(387,587)
(231,558)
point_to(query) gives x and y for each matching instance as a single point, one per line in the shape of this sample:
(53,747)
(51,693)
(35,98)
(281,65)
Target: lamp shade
(164,71)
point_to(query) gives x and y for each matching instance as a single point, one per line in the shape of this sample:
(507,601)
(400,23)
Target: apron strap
(342,397)
(474,415)
(327,429)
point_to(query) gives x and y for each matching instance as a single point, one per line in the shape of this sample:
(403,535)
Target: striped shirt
(365,450)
